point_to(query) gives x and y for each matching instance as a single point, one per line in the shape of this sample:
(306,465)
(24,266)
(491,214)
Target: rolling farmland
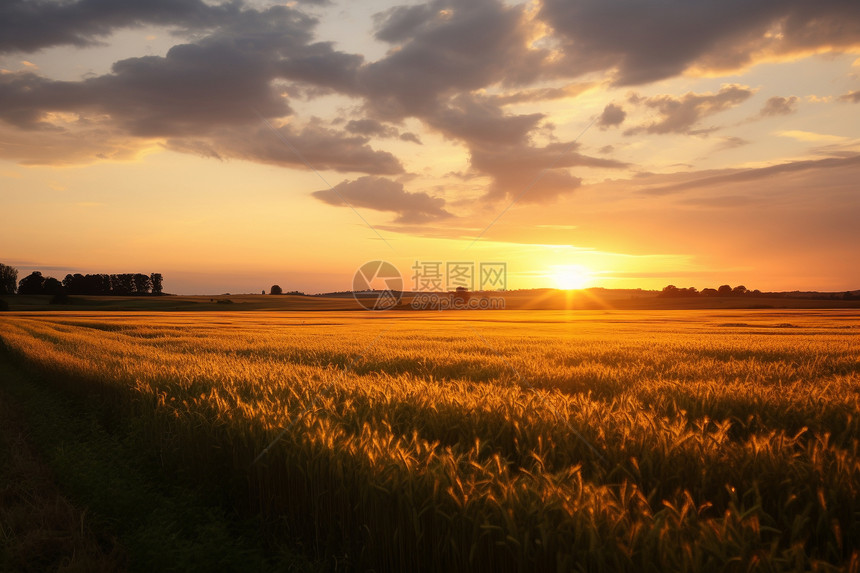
(494,441)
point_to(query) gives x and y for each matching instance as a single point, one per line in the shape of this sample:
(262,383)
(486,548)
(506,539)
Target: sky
(612,143)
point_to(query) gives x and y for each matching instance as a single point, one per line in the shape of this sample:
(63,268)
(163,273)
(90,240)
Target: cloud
(409,136)
(682,114)
(445,48)
(542,94)
(779,106)
(454,65)
(722,201)
(851,97)
(613,115)
(206,98)
(811,136)
(743,175)
(225,78)
(644,42)
(371,127)
(445,53)
(475,120)
(313,146)
(731,142)
(76,143)
(31,25)
(533,174)
(320,65)
(381,194)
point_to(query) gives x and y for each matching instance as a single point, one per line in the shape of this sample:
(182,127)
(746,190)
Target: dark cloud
(647,41)
(474,120)
(400,23)
(612,115)
(322,66)
(681,115)
(453,65)
(851,97)
(409,136)
(779,106)
(27,25)
(184,92)
(381,194)
(371,127)
(533,174)
(313,146)
(374,128)
(225,78)
(445,48)
(206,98)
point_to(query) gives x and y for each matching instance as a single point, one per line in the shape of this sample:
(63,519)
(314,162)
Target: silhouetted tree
(276,290)
(724,290)
(739,290)
(142,284)
(669,291)
(31,284)
(709,292)
(156,280)
(122,284)
(96,284)
(462,294)
(52,286)
(8,279)
(74,283)
(848,295)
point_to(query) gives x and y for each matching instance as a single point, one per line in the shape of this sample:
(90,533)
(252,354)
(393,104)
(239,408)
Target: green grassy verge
(160,523)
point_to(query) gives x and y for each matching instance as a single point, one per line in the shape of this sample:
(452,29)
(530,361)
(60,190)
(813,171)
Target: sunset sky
(628,143)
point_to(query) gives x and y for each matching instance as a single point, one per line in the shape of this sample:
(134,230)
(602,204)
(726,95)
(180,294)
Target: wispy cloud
(801,135)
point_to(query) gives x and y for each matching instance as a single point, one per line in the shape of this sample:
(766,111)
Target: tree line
(672,291)
(123,284)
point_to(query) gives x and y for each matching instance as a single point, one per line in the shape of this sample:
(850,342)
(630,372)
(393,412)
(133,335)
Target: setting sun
(571,277)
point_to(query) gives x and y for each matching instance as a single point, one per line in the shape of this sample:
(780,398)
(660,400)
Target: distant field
(540,299)
(496,441)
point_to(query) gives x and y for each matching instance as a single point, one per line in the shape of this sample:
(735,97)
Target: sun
(570,277)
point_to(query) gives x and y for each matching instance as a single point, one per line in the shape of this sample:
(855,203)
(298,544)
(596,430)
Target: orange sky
(587,143)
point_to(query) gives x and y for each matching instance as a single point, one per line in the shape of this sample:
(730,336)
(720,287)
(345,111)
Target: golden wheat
(497,441)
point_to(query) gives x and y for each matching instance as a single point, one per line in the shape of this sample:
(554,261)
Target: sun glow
(570,277)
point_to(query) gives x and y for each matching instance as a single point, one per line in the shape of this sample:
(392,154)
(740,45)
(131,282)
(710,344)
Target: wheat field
(495,441)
